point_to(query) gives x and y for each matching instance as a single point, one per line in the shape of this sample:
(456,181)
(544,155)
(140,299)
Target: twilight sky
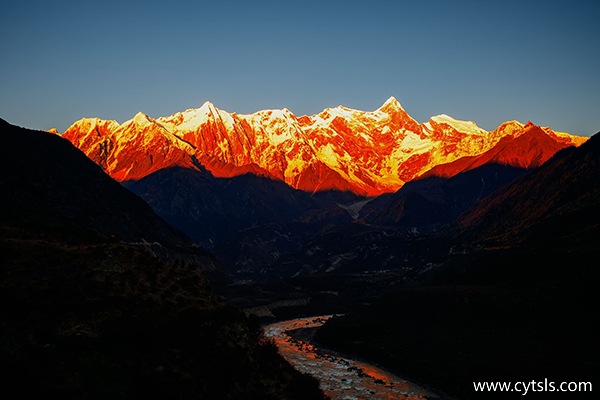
(486,61)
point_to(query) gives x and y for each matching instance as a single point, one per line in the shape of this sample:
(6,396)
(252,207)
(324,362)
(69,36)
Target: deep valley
(142,259)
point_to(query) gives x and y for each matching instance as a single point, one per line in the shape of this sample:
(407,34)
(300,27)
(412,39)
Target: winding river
(339,377)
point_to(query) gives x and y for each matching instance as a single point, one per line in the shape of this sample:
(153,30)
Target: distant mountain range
(367,153)
(256,189)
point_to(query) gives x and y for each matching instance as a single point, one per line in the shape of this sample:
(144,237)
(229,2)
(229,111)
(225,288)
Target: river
(340,377)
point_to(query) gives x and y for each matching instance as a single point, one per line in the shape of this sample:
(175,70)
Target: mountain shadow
(425,205)
(256,224)
(556,204)
(247,220)
(400,231)
(100,298)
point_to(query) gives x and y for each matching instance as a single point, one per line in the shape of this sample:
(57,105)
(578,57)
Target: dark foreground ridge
(101,299)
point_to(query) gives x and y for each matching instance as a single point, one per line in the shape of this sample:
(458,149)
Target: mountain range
(341,149)
(258,189)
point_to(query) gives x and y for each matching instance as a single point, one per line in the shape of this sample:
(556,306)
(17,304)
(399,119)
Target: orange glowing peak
(366,152)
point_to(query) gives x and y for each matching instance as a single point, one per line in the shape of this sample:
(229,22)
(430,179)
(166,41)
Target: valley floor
(340,377)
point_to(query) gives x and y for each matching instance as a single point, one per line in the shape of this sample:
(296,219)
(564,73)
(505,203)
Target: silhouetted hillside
(427,204)
(51,187)
(557,203)
(248,221)
(91,309)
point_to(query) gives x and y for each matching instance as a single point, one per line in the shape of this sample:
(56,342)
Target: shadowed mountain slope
(557,203)
(426,204)
(100,298)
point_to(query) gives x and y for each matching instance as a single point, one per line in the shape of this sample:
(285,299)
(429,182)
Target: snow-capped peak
(141,119)
(508,128)
(391,102)
(469,127)
(207,106)
(88,124)
(513,122)
(392,107)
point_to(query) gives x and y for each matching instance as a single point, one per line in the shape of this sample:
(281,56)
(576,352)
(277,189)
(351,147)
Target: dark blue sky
(486,61)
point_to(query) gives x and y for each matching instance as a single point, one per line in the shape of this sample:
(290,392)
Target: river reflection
(339,377)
